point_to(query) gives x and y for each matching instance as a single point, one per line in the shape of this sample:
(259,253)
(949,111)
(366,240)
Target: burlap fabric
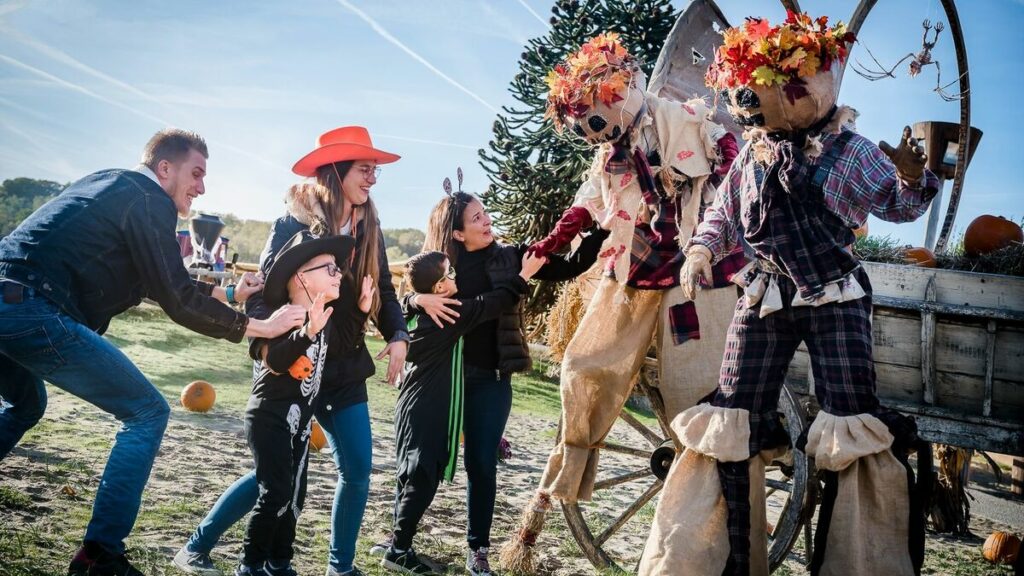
(769,107)
(869,530)
(603,359)
(689,534)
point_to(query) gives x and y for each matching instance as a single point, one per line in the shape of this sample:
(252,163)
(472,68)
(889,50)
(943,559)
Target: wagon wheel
(600,524)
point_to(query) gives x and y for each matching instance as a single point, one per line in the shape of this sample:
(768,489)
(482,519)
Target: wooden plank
(990,345)
(947,426)
(928,346)
(896,338)
(1008,400)
(951,286)
(900,383)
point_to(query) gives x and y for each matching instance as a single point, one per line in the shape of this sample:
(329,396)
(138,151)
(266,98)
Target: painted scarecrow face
(781,108)
(607,122)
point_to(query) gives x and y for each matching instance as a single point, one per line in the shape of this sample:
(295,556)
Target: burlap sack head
(769,107)
(607,122)
(597,92)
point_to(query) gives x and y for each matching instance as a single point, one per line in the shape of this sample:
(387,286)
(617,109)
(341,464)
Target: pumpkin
(990,233)
(861,232)
(919,256)
(317,438)
(198,396)
(1001,547)
(301,368)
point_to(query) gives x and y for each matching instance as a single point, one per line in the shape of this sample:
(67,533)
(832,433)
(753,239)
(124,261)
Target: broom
(516,555)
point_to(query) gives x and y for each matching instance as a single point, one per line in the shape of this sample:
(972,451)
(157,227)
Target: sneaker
(191,562)
(408,563)
(477,563)
(353,572)
(380,548)
(113,565)
(283,568)
(243,570)
(84,559)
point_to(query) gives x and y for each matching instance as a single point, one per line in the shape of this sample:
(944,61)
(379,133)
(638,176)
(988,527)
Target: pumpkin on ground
(1001,547)
(317,438)
(989,233)
(919,256)
(198,396)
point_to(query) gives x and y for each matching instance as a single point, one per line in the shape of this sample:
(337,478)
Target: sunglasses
(332,269)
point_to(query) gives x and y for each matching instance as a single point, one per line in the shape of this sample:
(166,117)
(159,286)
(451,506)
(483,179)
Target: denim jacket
(102,245)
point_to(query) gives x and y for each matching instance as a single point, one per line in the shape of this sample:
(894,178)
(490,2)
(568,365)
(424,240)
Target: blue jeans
(38,341)
(487,406)
(348,431)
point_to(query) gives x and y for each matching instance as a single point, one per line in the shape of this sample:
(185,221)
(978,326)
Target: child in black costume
(308,272)
(428,417)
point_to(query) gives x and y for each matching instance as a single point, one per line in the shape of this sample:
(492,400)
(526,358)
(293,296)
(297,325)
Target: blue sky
(84,83)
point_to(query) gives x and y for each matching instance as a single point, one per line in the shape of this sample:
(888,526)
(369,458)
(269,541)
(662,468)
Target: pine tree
(534,171)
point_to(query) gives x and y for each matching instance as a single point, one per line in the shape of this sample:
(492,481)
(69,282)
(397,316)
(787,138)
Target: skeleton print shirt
(292,368)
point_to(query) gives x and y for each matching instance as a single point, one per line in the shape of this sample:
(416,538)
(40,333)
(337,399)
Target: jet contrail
(80,89)
(532,11)
(431,142)
(387,36)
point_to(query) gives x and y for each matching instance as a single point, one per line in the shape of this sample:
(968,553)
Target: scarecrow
(794,195)
(654,166)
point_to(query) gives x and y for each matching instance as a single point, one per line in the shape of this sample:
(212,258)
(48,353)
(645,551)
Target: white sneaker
(477,564)
(195,563)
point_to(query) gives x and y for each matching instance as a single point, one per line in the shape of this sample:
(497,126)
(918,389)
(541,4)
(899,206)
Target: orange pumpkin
(198,396)
(861,232)
(301,368)
(317,438)
(919,256)
(990,233)
(1001,547)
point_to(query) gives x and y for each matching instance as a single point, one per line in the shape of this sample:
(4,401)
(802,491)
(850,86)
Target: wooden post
(1017,478)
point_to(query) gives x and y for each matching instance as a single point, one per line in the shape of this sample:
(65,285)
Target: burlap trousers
(603,359)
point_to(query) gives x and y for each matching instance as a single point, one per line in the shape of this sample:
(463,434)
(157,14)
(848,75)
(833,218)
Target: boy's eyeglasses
(450,274)
(332,269)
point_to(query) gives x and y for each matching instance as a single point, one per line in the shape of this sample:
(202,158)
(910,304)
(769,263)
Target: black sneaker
(191,562)
(477,563)
(353,572)
(84,559)
(243,570)
(281,569)
(113,565)
(408,563)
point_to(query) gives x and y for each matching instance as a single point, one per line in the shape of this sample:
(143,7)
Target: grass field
(48,482)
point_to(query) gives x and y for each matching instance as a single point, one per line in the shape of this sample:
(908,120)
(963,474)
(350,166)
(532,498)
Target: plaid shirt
(863,181)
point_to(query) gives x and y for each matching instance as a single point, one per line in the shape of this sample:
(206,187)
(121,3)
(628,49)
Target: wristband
(230,292)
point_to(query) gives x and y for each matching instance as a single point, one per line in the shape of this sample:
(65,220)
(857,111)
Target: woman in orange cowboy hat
(343,168)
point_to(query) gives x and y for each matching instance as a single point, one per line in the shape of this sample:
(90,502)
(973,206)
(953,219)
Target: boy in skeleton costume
(653,160)
(308,272)
(795,193)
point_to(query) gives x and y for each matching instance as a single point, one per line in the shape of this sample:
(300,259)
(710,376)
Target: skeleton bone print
(317,352)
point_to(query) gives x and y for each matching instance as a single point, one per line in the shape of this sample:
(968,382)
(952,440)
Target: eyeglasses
(368,171)
(332,269)
(450,274)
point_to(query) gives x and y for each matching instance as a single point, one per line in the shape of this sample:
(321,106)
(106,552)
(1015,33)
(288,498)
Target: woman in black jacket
(344,166)
(460,227)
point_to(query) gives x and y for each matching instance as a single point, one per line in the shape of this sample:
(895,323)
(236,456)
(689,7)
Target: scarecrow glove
(696,267)
(909,158)
(574,219)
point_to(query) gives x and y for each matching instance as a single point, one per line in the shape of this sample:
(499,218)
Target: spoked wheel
(612,529)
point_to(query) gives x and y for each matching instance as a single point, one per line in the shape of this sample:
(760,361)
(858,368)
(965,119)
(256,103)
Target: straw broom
(516,555)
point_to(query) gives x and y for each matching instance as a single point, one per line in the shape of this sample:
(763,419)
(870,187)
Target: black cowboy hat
(300,249)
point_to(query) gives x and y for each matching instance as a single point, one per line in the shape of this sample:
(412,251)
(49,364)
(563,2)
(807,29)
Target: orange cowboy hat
(345,143)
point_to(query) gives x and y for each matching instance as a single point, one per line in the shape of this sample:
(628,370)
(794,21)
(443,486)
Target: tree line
(20,197)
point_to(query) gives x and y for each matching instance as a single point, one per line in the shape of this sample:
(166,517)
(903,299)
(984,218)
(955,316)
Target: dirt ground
(56,468)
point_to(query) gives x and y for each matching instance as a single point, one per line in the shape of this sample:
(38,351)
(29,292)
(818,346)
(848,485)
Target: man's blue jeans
(38,341)
(348,431)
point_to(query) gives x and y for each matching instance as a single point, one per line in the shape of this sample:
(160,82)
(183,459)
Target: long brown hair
(446,218)
(367,251)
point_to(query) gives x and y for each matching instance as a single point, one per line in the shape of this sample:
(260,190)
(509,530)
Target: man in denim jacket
(96,250)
